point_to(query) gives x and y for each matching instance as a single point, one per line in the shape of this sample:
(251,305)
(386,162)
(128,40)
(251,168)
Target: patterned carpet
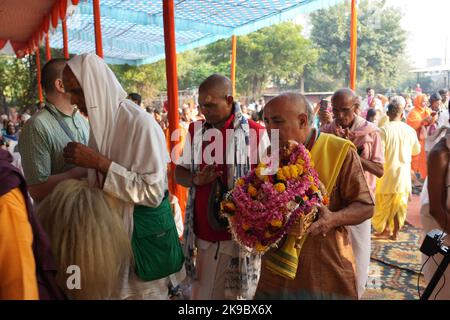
(395,267)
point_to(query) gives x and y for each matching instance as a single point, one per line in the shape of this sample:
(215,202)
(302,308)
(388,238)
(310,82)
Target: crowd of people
(88,183)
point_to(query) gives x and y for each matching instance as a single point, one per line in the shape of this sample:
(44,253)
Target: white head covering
(120,129)
(103,94)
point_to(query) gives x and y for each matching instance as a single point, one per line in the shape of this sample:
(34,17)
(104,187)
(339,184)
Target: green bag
(156,247)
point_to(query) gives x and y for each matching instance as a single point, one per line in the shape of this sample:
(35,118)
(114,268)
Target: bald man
(218,262)
(326,268)
(366,137)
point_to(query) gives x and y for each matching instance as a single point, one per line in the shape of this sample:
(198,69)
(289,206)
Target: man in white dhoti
(127,158)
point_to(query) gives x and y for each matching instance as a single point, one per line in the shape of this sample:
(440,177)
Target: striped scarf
(240,284)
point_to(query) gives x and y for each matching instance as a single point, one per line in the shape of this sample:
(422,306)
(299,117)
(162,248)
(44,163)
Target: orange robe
(17,266)
(415,118)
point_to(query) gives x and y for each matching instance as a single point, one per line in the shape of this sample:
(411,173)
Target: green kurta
(42,141)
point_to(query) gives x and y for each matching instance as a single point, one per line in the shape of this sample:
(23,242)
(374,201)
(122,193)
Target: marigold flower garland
(261,208)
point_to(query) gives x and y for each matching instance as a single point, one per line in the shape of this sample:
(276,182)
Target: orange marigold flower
(300,169)
(227,206)
(252,191)
(280,175)
(294,171)
(261,176)
(260,247)
(280,187)
(240,182)
(276,223)
(286,172)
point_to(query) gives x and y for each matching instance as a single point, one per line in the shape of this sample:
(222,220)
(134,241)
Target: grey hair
(398,100)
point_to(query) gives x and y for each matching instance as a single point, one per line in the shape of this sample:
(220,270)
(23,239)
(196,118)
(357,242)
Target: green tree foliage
(148,80)
(193,68)
(381,44)
(18,83)
(278,53)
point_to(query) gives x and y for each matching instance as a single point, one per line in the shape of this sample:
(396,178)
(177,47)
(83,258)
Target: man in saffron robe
(420,119)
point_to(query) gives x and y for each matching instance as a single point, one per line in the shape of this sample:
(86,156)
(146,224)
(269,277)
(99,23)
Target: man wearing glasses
(366,137)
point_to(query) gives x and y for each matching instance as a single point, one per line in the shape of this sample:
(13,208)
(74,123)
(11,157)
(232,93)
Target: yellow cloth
(328,164)
(383,120)
(17,266)
(399,142)
(387,207)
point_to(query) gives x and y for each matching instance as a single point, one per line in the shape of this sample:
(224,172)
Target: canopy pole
(65,39)
(48,52)
(233,64)
(353,44)
(98,29)
(172,82)
(38,71)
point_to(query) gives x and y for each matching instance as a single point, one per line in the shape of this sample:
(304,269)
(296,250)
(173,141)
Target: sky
(427,23)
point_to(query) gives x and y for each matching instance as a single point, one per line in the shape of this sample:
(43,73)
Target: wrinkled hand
(296,229)
(324,224)
(344,133)
(85,157)
(207,175)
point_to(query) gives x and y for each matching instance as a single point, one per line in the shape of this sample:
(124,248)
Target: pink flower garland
(259,221)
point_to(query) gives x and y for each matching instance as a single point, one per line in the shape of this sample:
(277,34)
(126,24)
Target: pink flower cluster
(261,209)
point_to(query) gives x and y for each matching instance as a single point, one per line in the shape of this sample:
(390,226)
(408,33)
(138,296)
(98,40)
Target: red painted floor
(413,215)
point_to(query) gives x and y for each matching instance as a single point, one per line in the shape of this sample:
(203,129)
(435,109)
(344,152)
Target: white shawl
(135,143)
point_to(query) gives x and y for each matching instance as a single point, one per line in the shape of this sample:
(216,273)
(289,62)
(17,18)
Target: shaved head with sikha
(291,114)
(215,99)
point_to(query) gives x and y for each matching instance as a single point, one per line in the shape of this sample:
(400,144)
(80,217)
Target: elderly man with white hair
(127,158)
(399,143)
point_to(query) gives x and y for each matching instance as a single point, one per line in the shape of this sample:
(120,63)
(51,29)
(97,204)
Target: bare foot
(385,234)
(393,237)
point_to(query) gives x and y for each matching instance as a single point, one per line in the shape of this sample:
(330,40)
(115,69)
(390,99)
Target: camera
(434,243)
